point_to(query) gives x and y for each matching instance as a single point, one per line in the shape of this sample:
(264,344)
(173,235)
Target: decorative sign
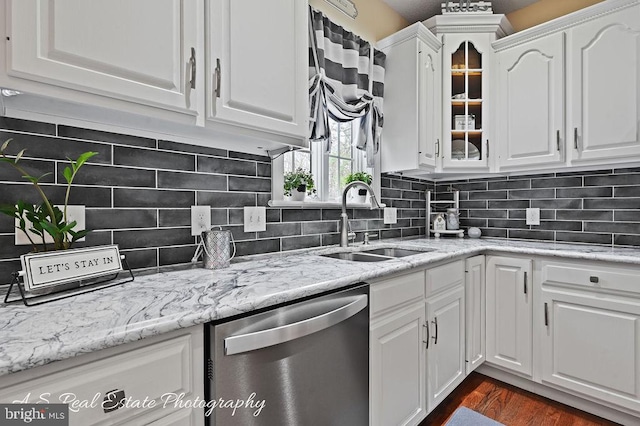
(466,6)
(345,6)
(44,270)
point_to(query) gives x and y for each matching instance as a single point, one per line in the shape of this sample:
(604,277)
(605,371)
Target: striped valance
(346,83)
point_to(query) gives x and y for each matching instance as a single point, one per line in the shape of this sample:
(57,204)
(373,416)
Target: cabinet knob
(594,279)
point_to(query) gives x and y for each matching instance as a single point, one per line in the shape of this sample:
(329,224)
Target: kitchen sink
(395,252)
(376,254)
(358,257)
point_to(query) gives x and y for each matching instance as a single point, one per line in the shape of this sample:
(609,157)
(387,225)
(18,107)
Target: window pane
(288,162)
(345,170)
(334,126)
(302,160)
(345,140)
(334,191)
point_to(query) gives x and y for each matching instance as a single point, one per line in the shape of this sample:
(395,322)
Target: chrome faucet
(344,219)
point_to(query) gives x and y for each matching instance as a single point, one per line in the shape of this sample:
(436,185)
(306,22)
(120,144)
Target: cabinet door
(397,368)
(257,64)
(604,73)
(591,344)
(445,354)
(531,103)
(429,106)
(475,327)
(466,65)
(138,51)
(509,314)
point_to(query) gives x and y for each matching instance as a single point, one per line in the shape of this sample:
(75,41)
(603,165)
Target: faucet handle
(366,236)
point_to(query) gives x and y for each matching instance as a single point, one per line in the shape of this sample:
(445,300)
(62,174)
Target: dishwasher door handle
(273,336)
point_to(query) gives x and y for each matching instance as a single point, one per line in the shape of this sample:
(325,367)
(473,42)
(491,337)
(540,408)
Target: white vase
(355,197)
(298,195)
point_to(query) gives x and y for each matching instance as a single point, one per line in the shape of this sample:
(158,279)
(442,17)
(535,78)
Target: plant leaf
(5,145)
(78,235)
(19,156)
(68,174)
(83,158)
(51,229)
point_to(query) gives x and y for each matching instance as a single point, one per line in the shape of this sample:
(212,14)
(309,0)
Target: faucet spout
(344,219)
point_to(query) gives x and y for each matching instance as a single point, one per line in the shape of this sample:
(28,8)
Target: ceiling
(419,10)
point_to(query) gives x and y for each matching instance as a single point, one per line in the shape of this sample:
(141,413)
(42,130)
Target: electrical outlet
(73,213)
(533,216)
(255,219)
(390,215)
(200,219)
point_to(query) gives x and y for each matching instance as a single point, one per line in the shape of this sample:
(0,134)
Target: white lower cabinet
(417,343)
(397,368)
(590,333)
(140,371)
(510,314)
(445,352)
(475,321)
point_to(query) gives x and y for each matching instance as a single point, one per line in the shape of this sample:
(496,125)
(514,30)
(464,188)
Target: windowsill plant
(298,184)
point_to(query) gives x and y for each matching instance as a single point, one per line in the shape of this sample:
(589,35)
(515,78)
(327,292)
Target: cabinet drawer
(397,291)
(444,277)
(615,278)
(143,373)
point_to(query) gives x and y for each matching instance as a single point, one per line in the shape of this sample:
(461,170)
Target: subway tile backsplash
(138,192)
(599,207)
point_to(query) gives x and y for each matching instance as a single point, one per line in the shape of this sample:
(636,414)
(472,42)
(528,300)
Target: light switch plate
(533,216)
(255,219)
(200,219)
(390,215)
(73,213)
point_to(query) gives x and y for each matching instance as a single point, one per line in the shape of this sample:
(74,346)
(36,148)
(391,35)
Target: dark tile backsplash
(599,207)
(138,192)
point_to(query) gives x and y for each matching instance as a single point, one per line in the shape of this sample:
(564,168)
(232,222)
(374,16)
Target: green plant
(299,180)
(45,218)
(358,176)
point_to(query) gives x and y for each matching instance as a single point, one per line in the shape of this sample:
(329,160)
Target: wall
(601,207)
(375,19)
(138,193)
(545,10)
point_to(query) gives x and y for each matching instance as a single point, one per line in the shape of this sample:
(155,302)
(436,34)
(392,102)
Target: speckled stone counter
(165,301)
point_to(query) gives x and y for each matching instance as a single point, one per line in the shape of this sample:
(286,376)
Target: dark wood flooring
(509,405)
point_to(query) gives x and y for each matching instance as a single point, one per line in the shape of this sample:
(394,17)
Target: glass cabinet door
(466,104)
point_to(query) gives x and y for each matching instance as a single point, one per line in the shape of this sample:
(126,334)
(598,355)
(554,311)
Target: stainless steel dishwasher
(304,364)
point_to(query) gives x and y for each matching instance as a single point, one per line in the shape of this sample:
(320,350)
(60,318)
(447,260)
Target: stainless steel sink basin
(376,254)
(395,252)
(358,257)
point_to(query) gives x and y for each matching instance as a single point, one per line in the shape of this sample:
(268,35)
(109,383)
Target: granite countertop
(179,298)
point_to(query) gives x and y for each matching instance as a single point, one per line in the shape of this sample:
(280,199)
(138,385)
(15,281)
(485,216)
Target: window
(329,169)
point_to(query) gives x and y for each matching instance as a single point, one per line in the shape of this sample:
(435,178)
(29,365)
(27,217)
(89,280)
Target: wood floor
(509,405)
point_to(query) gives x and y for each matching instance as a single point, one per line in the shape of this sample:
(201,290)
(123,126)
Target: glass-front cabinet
(467,95)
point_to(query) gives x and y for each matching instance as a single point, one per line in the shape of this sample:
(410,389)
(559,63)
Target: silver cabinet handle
(192,62)
(273,336)
(558,139)
(525,282)
(546,315)
(218,71)
(426,325)
(487,148)
(437,148)
(435,336)
(575,137)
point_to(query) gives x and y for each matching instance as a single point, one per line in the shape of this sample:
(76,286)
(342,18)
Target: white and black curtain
(346,83)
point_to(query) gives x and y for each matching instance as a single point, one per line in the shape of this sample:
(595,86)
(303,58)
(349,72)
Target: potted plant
(298,184)
(358,194)
(45,218)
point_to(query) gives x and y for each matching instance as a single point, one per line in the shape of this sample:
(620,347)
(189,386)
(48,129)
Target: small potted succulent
(45,218)
(359,195)
(298,184)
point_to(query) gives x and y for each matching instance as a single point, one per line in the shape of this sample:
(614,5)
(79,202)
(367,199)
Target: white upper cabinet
(530,105)
(468,94)
(143,51)
(604,93)
(257,64)
(411,133)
